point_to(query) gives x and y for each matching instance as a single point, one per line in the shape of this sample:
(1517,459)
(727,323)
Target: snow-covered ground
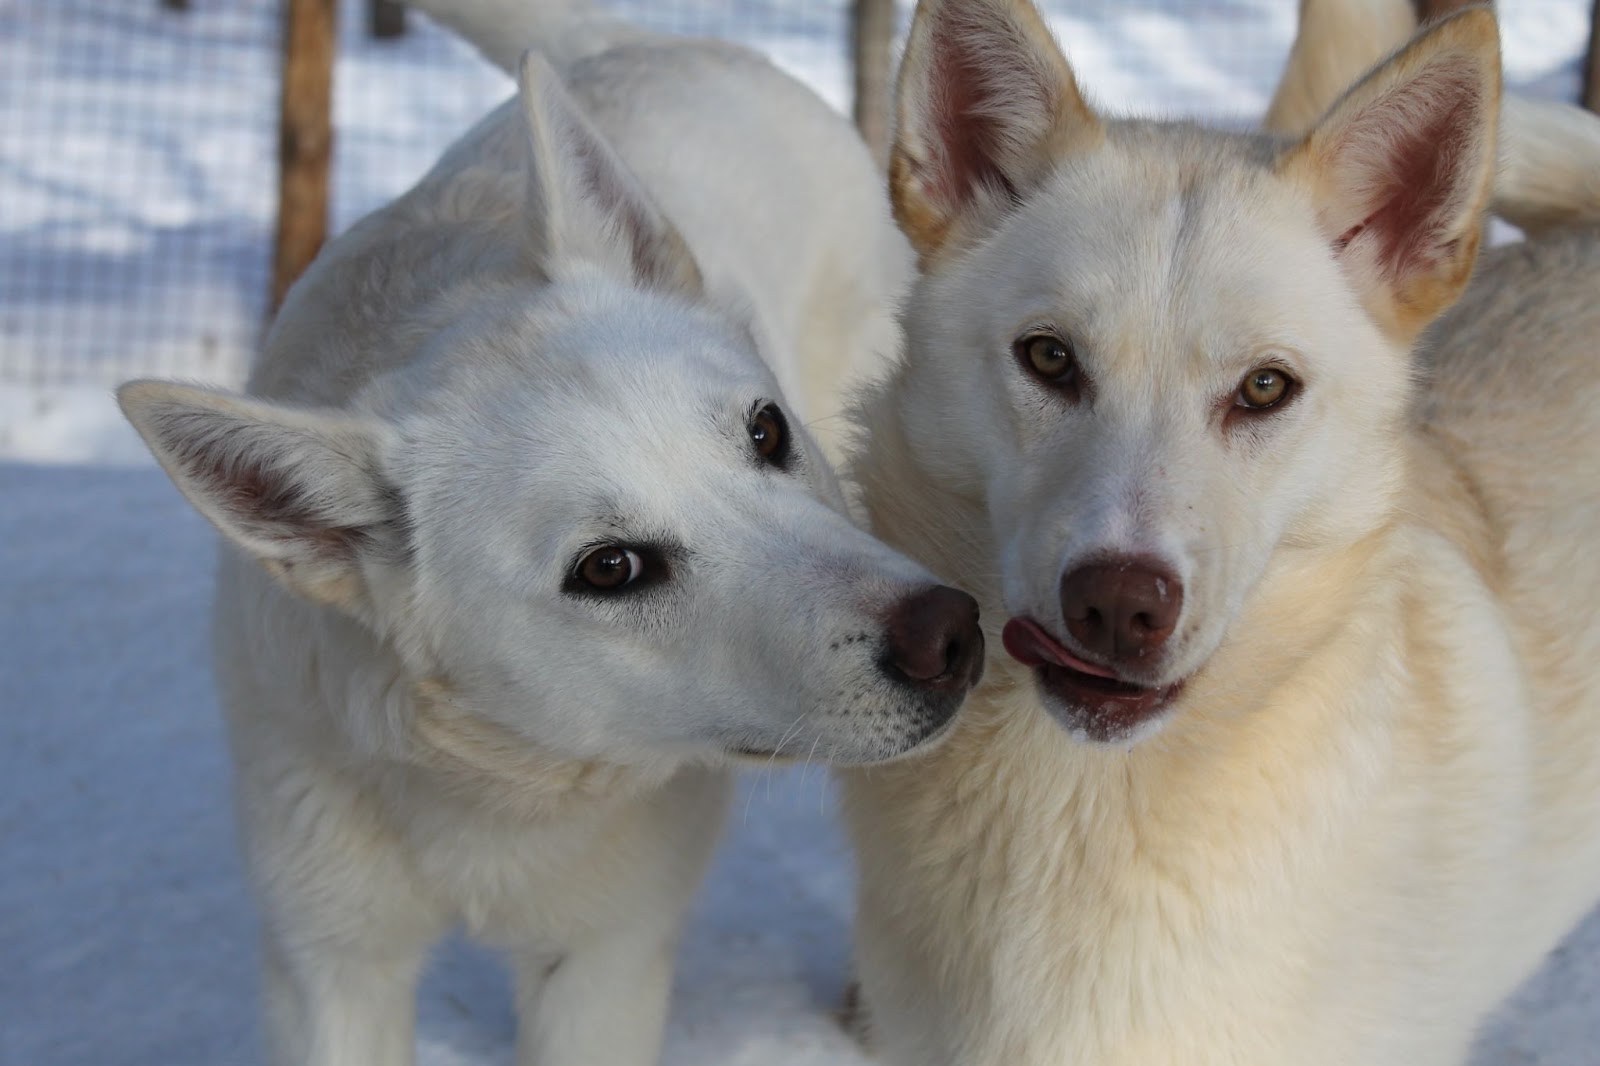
(134,210)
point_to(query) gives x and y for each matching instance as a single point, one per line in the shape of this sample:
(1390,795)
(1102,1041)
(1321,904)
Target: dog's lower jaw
(1111,713)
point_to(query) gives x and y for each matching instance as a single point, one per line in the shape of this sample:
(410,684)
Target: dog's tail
(1549,164)
(564,30)
(1549,152)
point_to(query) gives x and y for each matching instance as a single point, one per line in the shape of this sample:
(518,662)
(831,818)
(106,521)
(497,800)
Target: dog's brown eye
(1262,388)
(1048,357)
(610,568)
(770,434)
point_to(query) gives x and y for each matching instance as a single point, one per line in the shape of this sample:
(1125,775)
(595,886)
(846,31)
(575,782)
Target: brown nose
(933,640)
(1121,609)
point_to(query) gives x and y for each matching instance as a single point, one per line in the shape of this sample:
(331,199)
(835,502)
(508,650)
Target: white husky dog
(1298,757)
(527,542)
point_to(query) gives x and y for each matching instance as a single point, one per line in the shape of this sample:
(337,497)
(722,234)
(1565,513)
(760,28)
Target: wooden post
(1591,62)
(1432,10)
(871,46)
(386,19)
(305,138)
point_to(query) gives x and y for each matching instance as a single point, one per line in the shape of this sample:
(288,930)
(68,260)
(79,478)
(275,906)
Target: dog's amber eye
(610,568)
(1263,387)
(770,434)
(1048,357)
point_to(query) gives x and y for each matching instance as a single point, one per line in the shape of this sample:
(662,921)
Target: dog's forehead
(1148,243)
(591,354)
(605,386)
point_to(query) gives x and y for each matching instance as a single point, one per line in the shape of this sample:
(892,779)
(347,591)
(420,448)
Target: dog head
(1165,357)
(585,505)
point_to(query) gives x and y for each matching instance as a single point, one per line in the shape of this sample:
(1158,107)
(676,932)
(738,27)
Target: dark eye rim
(1291,389)
(780,454)
(1070,381)
(654,570)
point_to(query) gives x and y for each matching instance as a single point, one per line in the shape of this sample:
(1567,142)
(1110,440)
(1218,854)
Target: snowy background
(136,198)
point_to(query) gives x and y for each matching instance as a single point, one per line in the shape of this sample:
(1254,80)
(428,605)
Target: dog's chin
(912,746)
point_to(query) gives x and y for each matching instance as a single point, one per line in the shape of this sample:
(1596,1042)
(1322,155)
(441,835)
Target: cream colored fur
(1549,152)
(1375,806)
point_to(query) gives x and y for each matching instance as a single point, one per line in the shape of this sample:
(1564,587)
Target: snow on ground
(137,234)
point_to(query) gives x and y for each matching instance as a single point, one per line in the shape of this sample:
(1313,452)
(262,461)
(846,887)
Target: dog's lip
(756,757)
(1091,697)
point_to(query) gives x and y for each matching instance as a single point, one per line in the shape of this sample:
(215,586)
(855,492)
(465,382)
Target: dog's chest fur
(1337,811)
(508,876)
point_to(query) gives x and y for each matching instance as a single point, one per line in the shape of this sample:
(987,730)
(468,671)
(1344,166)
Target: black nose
(1122,609)
(933,640)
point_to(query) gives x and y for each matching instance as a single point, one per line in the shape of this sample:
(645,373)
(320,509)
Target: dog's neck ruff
(486,765)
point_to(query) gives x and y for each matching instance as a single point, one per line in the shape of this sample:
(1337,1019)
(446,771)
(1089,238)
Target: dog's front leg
(602,1004)
(340,1011)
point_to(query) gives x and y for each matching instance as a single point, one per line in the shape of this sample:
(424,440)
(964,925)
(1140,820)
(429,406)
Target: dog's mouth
(769,756)
(1085,697)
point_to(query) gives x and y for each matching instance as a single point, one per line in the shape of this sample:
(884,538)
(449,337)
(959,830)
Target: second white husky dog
(528,543)
(1298,757)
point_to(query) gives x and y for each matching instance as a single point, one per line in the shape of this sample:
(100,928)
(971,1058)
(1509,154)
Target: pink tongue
(1030,645)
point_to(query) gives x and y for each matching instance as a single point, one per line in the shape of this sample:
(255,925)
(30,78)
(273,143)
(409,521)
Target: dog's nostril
(952,656)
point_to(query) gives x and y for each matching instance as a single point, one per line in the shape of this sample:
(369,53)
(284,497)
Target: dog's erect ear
(296,489)
(1402,167)
(584,203)
(1337,42)
(986,104)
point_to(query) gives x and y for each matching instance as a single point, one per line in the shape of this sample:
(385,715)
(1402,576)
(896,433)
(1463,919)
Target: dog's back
(716,134)
(1513,392)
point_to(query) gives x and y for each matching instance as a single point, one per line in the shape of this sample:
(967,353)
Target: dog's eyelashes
(769,432)
(1049,358)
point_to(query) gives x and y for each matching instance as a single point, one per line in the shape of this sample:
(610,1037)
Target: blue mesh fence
(137,143)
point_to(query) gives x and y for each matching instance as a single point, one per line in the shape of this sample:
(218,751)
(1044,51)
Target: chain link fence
(138,141)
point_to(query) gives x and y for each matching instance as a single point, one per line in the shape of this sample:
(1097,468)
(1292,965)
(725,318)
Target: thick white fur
(1372,810)
(555,340)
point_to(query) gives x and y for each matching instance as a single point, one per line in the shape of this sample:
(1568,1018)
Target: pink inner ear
(1412,153)
(263,498)
(605,185)
(968,134)
(269,503)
